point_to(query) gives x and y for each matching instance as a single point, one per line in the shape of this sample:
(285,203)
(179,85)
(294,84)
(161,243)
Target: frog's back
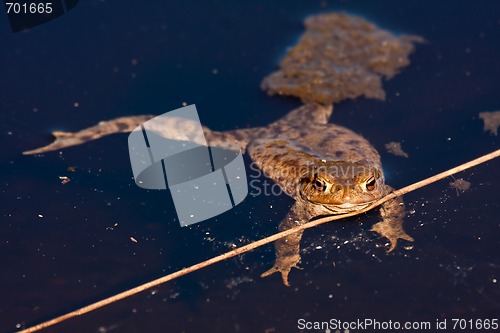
(330,142)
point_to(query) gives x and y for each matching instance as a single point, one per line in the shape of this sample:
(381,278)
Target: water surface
(65,246)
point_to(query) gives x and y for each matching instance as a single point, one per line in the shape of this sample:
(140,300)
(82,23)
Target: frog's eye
(371,184)
(318,184)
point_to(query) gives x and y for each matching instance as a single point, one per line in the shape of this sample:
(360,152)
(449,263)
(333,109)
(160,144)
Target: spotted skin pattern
(327,169)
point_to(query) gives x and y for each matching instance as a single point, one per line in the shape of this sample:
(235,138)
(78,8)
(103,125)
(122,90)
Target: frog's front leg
(288,248)
(391,227)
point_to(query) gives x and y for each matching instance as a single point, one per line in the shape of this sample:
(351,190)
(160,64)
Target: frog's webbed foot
(392,232)
(284,265)
(288,248)
(391,227)
(62,140)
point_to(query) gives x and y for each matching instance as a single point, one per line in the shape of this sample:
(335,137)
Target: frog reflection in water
(326,168)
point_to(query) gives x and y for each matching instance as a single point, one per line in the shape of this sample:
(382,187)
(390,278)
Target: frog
(327,169)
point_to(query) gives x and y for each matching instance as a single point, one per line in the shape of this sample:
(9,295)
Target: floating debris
(113,227)
(460,185)
(64,179)
(491,121)
(71,169)
(133,239)
(338,57)
(395,148)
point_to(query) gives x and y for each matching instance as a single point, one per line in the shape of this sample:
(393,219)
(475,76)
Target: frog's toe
(407,237)
(284,273)
(284,267)
(391,233)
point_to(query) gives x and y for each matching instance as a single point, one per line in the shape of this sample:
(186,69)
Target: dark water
(65,246)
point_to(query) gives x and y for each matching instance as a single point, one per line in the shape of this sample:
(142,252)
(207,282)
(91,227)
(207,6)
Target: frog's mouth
(346,207)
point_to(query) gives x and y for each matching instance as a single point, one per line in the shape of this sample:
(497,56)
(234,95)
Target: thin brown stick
(257,244)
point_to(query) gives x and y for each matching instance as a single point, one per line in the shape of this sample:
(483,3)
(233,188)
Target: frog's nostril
(338,189)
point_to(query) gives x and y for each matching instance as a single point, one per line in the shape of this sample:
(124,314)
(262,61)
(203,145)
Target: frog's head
(342,186)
